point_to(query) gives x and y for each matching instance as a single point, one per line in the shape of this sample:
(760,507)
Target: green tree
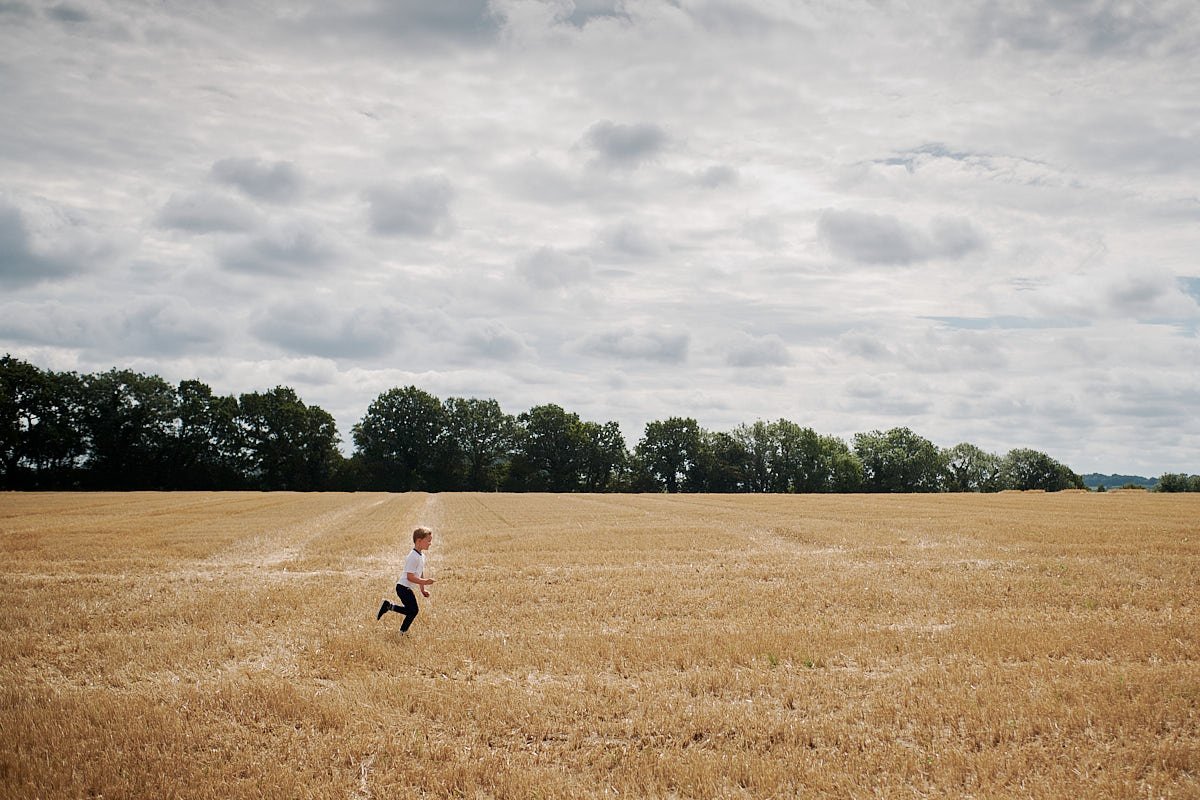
(671,450)
(758,444)
(782,456)
(288,446)
(970,469)
(844,467)
(723,463)
(798,463)
(1027,469)
(209,444)
(129,420)
(1178,482)
(605,456)
(637,476)
(403,441)
(482,437)
(41,426)
(16,380)
(551,450)
(899,460)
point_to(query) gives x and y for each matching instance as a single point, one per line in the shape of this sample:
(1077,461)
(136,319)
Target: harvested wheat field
(225,646)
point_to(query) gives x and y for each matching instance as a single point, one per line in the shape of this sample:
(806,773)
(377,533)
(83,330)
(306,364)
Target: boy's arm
(419,581)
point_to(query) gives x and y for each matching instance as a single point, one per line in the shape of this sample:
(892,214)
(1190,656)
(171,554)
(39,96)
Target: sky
(979,220)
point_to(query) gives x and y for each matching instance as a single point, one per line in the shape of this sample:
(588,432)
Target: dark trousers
(408,605)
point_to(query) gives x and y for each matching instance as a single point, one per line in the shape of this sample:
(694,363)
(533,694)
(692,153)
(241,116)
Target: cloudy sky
(978,219)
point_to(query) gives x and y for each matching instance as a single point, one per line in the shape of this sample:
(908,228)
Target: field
(576,646)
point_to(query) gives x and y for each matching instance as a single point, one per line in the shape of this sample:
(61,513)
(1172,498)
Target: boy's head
(422,538)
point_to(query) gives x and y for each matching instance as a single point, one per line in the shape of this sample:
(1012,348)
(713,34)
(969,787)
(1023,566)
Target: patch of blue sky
(1004,322)
(1191,285)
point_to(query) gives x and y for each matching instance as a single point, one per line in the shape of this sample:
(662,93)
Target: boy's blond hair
(421,533)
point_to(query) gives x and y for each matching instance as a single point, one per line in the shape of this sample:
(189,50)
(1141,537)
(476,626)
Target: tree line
(1178,482)
(122,429)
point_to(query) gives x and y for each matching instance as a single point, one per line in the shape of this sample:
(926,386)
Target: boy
(414,578)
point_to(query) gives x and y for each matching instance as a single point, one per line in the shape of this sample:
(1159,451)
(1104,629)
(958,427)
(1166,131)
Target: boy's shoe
(383,609)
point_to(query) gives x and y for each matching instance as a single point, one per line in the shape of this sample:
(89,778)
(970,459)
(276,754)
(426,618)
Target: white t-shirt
(415,563)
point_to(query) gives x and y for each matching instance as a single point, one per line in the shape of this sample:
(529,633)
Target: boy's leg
(408,605)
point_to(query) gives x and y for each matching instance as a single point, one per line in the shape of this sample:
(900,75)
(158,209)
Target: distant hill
(1095,480)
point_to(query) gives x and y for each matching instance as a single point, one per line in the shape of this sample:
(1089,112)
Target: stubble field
(225,646)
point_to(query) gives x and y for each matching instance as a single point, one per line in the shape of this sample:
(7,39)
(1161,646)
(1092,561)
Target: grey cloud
(418,207)
(717,175)
(1129,143)
(1138,292)
(943,349)
(664,347)
(1147,294)
(1152,295)
(167,326)
(156,326)
(288,251)
(549,268)
(276,182)
(540,182)
(1093,27)
(630,241)
(309,328)
(46,324)
(493,340)
(758,351)
(873,395)
(953,237)
(20,264)
(625,146)
(884,239)
(66,12)
(737,18)
(865,346)
(869,238)
(16,9)
(865,387)
(206,212)
(537,180)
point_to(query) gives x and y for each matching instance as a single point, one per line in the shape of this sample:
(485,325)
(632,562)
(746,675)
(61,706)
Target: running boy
(414,578)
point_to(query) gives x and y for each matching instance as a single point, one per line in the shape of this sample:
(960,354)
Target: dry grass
(224,645)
